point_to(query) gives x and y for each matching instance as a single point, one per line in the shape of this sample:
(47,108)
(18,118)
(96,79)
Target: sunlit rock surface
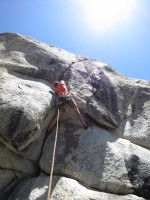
(62,188)
(111,156)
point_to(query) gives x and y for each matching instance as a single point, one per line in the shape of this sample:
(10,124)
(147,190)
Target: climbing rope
(52,166)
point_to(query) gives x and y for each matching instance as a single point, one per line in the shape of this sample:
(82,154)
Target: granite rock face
(100,160)
(111,156)
(8,181)
(63,188)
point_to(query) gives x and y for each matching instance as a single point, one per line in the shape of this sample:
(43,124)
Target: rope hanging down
(52,166)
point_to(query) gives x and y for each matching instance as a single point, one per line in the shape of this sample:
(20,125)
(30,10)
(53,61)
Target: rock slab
(62,189)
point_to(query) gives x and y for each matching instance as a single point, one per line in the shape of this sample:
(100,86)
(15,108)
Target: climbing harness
(52,165)
(62,100)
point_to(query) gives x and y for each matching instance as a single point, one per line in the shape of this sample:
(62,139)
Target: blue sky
(62,23)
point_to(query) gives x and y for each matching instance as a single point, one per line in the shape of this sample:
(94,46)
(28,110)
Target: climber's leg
(54,120)
(73,105)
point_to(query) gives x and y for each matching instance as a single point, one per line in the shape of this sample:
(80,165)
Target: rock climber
(63,97)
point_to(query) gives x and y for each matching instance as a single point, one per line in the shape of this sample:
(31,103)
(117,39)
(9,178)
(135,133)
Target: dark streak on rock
(70,142)
(53,61)
(94,81)
(22,137)
(104,92)
(70,138)
(139,176)
(14,121)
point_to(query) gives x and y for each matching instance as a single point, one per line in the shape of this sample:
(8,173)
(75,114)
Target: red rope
(52,166)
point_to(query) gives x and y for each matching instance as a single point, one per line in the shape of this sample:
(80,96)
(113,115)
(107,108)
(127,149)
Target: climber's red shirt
(61,90)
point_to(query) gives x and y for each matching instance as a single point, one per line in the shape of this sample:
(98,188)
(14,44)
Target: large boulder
(137,126)
(99,159)
(62,188)
(25,103)
(10,160)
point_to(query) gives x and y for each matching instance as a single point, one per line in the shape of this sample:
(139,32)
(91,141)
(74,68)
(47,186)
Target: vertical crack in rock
(67,73)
